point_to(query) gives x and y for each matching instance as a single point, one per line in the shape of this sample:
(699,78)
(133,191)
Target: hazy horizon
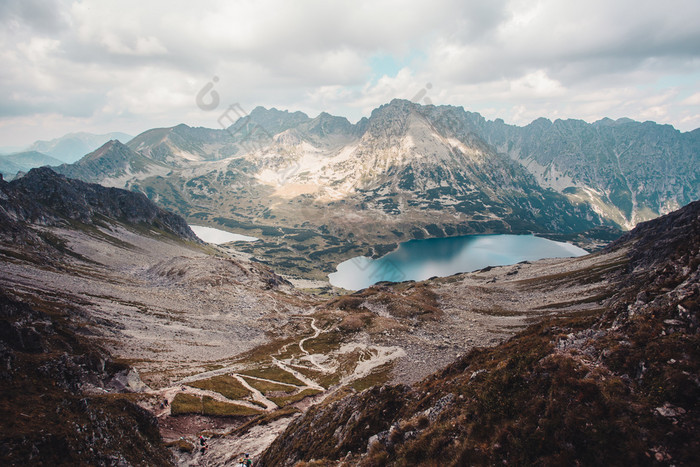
(99,67)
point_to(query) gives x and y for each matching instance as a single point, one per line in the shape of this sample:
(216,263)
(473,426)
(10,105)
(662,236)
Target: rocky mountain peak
(273,120)
(392,119)
(112,146)
(326,125)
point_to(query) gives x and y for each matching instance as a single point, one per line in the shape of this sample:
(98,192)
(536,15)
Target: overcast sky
(102,66)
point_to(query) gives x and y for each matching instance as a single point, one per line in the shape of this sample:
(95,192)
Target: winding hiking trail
(311,384)
(169,393)
(309,357)
(257,395)
(317,332)
(370,358)
(257,438)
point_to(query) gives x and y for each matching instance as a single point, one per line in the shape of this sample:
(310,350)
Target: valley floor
(239,353)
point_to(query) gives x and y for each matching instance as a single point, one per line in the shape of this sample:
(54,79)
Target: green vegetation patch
(185,403)
(226,385)
(191,404)
(267,387)
(274,373)
(213,407)
(286,400)
(325,343)
(379,375)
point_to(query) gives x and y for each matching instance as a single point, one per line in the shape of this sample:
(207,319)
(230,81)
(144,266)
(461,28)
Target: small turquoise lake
(422,259)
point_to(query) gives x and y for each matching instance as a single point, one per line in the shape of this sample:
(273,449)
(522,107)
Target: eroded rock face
(335,429)
(44,197)
(51,414)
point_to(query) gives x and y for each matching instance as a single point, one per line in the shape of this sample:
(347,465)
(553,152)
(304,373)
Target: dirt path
(274,382)
(169,393)
(308,382)
(257,395)
(317,332)
(311,358)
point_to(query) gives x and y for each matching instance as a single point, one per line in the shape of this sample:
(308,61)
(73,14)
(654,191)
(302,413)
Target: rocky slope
(616,384)
(47,198)
(54,406)
(96,284)
(126,262)
(629,171)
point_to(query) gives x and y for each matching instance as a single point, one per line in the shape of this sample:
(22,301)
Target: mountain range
(627,171)
(71,147)
(337,189)
(20,162)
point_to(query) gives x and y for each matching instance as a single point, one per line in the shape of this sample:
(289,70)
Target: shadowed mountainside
(46,198)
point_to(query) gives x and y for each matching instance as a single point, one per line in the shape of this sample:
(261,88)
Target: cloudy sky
(128,66)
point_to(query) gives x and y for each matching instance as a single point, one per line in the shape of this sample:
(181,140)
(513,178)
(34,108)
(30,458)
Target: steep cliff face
(615,385)
(631,171)
(55,409)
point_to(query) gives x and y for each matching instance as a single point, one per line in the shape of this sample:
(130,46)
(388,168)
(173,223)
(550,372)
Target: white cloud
(140,64)
(536,84)
(692,100)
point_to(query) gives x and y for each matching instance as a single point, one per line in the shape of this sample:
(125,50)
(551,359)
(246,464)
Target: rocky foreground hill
(95,281)
(617,385)
(108,306)
(56,407)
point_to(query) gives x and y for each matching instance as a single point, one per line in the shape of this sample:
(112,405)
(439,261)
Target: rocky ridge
(46,198)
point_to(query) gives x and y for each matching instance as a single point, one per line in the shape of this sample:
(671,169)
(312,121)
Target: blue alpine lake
(422,259)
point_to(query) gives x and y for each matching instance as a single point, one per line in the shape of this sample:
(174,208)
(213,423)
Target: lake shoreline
(420,259)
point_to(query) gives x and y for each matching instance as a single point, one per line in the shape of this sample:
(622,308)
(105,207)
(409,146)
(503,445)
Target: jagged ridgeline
(337,189)
(43,197)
